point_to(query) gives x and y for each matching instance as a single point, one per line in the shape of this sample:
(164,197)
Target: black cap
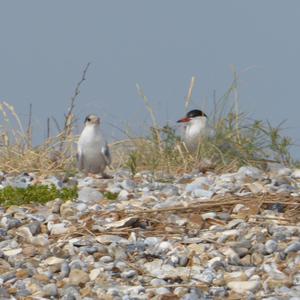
(195,113)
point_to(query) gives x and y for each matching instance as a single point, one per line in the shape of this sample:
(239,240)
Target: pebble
(106,259)
(52,260)
(94,274)
(241,287)
(50,290)
(151,241)
(81,207)
(4,293)
(294,247)
(128,274)
(9,222)
(164,246)
(78,277)
(89,195)
(128,185)
(12,252)
(249,171)
(158,282)
(108,239)
(35,228)
(56,204)
(123,195)
(200,193)
(162,291)
(71,293)
(7,276)
(271,246)
(206,276)
(59,228)
(64,269)
(296,174)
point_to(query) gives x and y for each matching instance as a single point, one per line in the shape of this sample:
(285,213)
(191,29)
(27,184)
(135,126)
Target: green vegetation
(35,194)
(132,162)
(111,196)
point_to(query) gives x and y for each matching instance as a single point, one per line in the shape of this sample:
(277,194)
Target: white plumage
(194,133)
(195,123)
(92,151)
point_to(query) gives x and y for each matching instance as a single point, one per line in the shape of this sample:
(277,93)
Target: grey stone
(128,274)
(89,195)
(170,190)
(50,290)
(271,246)
(7,276)
(106,259)
(9,222)
(34,227)
(4,293)
(64,270)
(162,291)
(70,293)
(201,193)
(294,247)
(128,185)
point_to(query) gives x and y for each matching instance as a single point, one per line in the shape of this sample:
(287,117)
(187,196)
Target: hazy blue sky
(44,46)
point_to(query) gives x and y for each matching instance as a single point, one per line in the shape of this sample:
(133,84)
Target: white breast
(195,127)
(194,131)
(89,148)
(90,143)
(91,136)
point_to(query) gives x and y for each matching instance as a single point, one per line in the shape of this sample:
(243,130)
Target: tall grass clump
(17,153)
(234,140)
(55,154)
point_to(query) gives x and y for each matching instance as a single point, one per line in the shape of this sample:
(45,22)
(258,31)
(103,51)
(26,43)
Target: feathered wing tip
(106,153)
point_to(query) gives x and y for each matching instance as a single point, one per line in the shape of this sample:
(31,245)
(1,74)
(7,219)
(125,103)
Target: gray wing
(106,153)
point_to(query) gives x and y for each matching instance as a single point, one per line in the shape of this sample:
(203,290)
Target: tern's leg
(99,176)
(106,176)
(92,175)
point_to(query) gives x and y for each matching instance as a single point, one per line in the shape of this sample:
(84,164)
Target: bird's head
(92,120)
(194,114)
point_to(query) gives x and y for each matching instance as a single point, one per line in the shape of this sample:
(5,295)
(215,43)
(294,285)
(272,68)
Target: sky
(160,45)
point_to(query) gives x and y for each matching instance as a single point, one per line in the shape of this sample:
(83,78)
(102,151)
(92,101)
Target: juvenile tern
(92,151)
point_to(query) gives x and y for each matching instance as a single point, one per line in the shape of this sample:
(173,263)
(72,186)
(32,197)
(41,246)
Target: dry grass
(55,155)
(236,141)
(44,159)
(161,226)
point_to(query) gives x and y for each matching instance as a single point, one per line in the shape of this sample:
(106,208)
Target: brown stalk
(188,97)
(69,118)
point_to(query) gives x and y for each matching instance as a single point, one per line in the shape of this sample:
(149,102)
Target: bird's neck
(195,127)
(91,130)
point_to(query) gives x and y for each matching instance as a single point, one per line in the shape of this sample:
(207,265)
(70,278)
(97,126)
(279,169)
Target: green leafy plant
(132,162)
(111,196)
(35,194)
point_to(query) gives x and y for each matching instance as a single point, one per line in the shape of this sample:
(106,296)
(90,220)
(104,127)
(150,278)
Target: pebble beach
(156,236)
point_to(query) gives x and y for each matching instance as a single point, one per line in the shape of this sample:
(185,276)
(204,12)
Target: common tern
(195,123)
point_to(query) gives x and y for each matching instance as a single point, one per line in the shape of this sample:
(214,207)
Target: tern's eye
(88,119)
